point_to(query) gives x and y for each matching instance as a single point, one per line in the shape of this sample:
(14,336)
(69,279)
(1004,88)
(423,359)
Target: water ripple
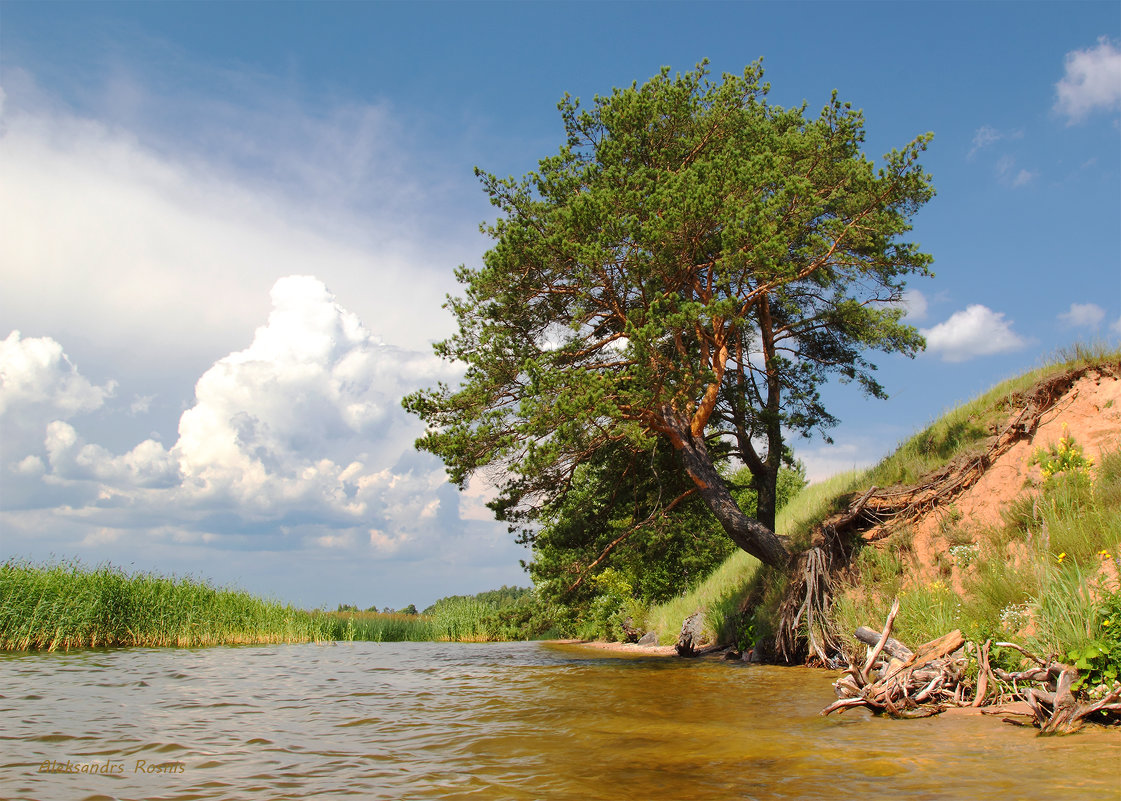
(512,721)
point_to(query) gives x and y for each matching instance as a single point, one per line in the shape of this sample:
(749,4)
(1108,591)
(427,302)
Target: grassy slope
(931,610)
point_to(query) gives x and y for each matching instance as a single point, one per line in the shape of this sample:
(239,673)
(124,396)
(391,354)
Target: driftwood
(910,683)
(691,640)
(932,677)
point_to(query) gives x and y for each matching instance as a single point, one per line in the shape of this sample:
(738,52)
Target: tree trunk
(766,492)
(747,533)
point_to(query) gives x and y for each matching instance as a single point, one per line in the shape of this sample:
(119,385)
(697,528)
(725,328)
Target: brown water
(498,721)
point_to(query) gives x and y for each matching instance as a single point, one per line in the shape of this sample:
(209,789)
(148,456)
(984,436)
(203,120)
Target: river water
(492,721)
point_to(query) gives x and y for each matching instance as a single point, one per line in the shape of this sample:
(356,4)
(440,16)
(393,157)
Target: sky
(227,231)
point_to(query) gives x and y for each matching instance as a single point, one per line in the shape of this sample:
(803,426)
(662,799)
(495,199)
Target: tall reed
(68,605)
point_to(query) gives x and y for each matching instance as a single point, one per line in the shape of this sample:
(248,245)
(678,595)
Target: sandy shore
(621,647)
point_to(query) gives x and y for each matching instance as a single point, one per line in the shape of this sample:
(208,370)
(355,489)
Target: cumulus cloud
(276,423)
(975,331)
(39,384)
(34,372)
(71,458)
(143,230)
(1091,81)
(299,437)
(1083,315)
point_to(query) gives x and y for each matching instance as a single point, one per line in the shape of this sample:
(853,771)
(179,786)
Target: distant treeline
(508,613)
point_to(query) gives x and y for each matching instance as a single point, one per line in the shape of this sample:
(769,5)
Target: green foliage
(657,559)
(1049,599)
(612,606)
(740,582)
(687,270)
(998,597)
(610,514)
(508,613)
(1099,661)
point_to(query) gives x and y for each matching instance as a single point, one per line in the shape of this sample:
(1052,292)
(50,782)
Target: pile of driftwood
(925,681)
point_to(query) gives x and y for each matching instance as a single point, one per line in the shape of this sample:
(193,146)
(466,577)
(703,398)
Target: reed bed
(68,605)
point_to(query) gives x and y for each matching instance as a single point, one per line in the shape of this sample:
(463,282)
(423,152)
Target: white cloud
(985,136)
(141,404)
(34,372)
(915,304)
(976,331)
(1083,315)
(144,234)
(1116,327)
(179,250)
(278,422)
(826,461)
(1091,81)
(71,458)
(38,384)
(1008,174)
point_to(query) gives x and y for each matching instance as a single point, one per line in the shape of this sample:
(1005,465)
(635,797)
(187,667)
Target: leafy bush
(1063,458)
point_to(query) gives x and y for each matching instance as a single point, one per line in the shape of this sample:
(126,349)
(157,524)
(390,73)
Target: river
(492,721)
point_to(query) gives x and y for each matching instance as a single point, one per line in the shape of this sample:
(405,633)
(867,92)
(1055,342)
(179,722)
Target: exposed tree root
(889,508)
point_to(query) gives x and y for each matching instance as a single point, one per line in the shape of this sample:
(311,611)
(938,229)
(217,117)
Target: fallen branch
(879,646)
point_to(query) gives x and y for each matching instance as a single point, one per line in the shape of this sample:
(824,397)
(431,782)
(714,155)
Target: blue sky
(226,231)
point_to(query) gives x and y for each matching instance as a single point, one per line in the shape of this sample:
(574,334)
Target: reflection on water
(492,721)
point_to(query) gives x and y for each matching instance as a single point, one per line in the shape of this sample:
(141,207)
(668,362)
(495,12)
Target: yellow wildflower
(1061,557)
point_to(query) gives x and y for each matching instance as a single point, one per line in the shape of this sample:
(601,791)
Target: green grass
(68,605)
(1039,580)
(378,627)
(963,429)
